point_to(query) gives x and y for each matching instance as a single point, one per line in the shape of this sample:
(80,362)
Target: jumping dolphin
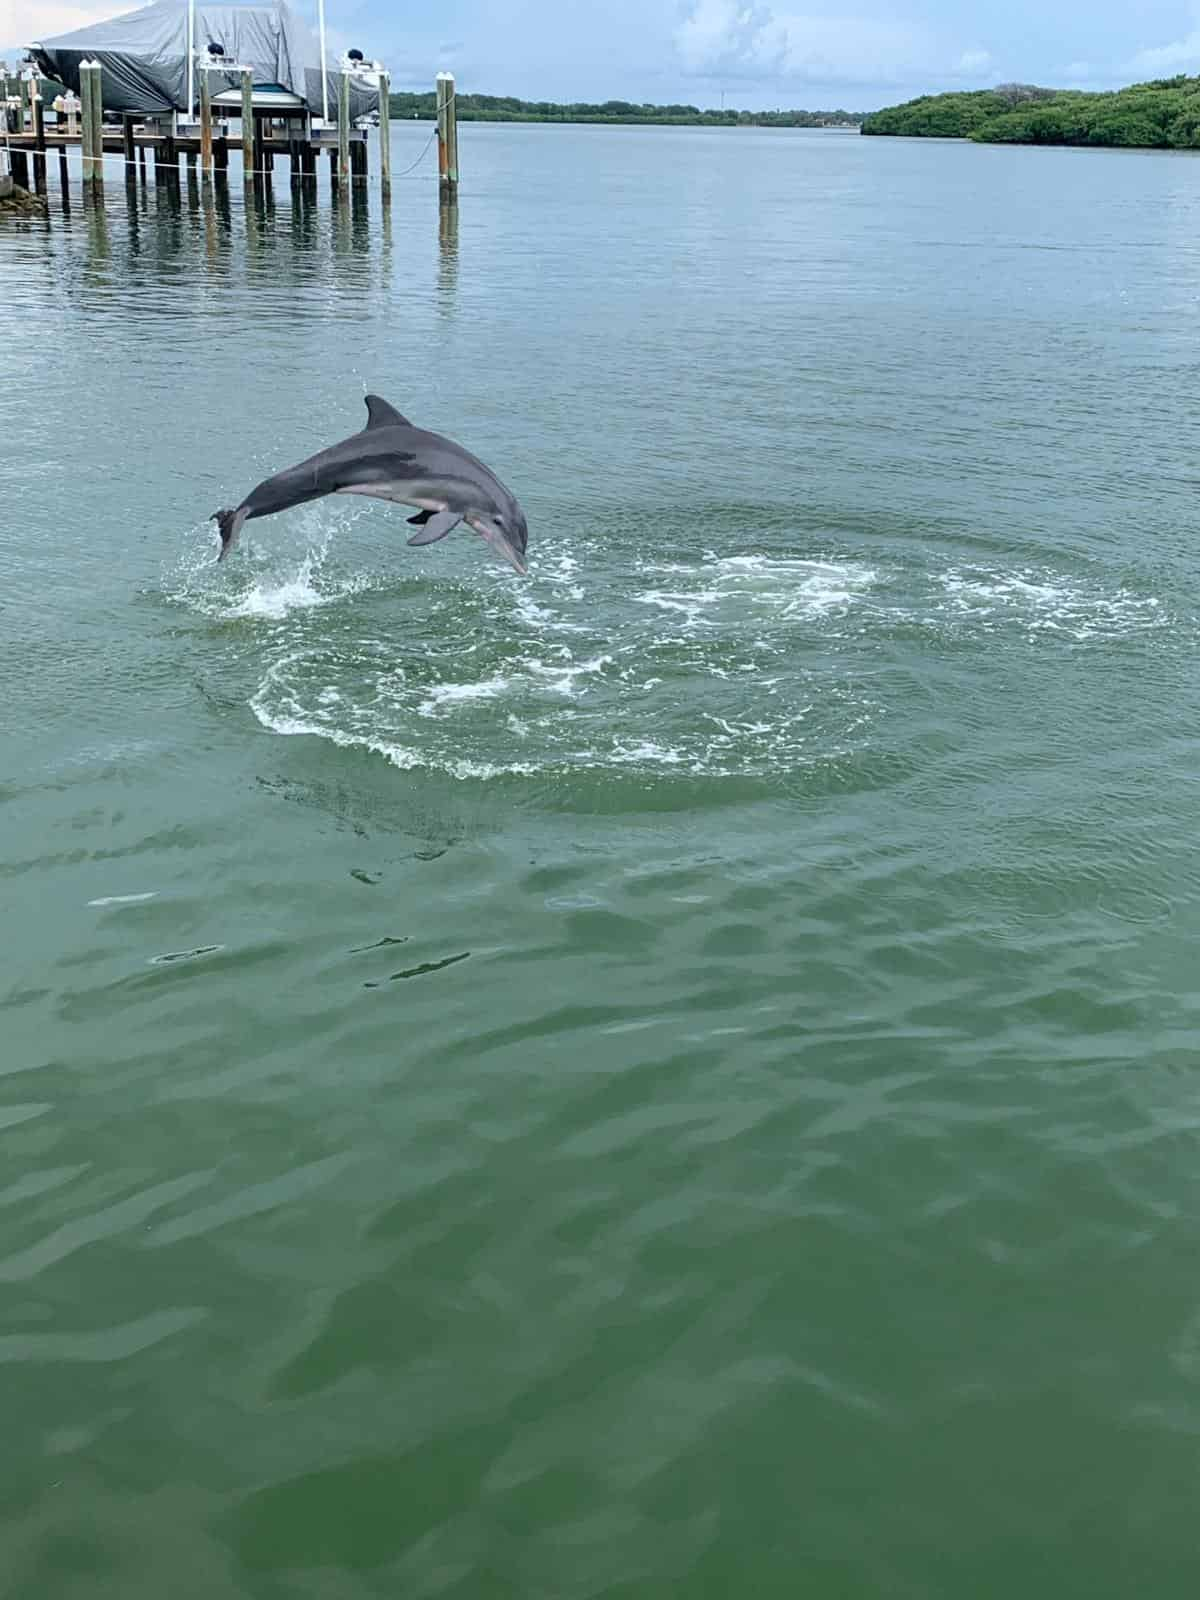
(393,460)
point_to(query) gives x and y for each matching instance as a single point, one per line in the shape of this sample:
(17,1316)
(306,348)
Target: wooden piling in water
(64,174)
(206,134)
(19,167)
(39,142)
(127,145)
(91,125)
(249,151)
(142,164)
(385,133)
(447,127)
(343,129)
(85,120)
(97,125)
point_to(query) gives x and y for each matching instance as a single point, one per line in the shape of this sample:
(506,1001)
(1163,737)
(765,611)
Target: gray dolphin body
(392,460)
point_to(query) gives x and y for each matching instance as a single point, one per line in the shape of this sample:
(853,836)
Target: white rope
(253,172)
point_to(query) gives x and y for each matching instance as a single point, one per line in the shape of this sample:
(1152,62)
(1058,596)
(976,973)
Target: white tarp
(144,55)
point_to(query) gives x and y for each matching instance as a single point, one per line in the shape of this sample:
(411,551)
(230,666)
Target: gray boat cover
(144,55)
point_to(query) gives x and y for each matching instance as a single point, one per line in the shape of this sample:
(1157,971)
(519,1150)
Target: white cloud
(735,39)
(22,21)
(973,62)
(1165,60)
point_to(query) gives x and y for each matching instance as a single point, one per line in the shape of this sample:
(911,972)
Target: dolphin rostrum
(393,460)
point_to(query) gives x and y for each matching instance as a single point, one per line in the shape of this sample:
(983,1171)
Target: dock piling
(447,128)
(87,126)
(343,129)
(97,103)
(248,150)
(85,121)
(385,134)
(127,121)
(206,137)
(39,142)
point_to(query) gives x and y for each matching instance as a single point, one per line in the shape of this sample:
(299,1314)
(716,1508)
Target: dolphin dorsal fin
(382,415)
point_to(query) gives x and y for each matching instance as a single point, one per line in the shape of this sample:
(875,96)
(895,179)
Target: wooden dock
(265,134)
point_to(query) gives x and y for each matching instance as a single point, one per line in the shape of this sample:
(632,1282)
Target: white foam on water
(124,899)
(563,677)
(691,607)
(262,583)
(645,752)
(1048,603)
(733,587)
(407,760)
(445,696)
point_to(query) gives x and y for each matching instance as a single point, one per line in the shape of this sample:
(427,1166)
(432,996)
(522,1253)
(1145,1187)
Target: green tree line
(507,108)
(1163,114)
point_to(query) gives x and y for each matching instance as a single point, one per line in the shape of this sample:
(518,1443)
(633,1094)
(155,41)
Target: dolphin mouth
(500,543)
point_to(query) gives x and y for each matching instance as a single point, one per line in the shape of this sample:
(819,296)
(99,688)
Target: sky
(814,54)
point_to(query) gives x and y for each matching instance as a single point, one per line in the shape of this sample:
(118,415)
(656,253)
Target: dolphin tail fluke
(230,524)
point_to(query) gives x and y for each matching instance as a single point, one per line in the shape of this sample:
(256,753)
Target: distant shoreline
(615,113)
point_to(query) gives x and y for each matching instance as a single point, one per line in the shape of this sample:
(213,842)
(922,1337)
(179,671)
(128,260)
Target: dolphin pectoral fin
(438,526)
(382,415)
(421,518)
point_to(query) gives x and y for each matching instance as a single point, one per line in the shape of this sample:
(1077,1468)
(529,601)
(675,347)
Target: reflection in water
(447,274)
(221,201)
(360,212)
(99,247)
(304,216)
(133,215)
(237,235)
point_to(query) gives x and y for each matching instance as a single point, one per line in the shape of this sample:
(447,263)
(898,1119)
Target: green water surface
(676,1076)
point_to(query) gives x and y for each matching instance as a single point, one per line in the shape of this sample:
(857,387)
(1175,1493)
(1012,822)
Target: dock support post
(344,130)
(19,165)
(447,123)
(385,134)
(142,164)
(127,120)
(206,148)
(97,125)
(85,121)
(64,175)
(39,142)
(249,153)
(90,125)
